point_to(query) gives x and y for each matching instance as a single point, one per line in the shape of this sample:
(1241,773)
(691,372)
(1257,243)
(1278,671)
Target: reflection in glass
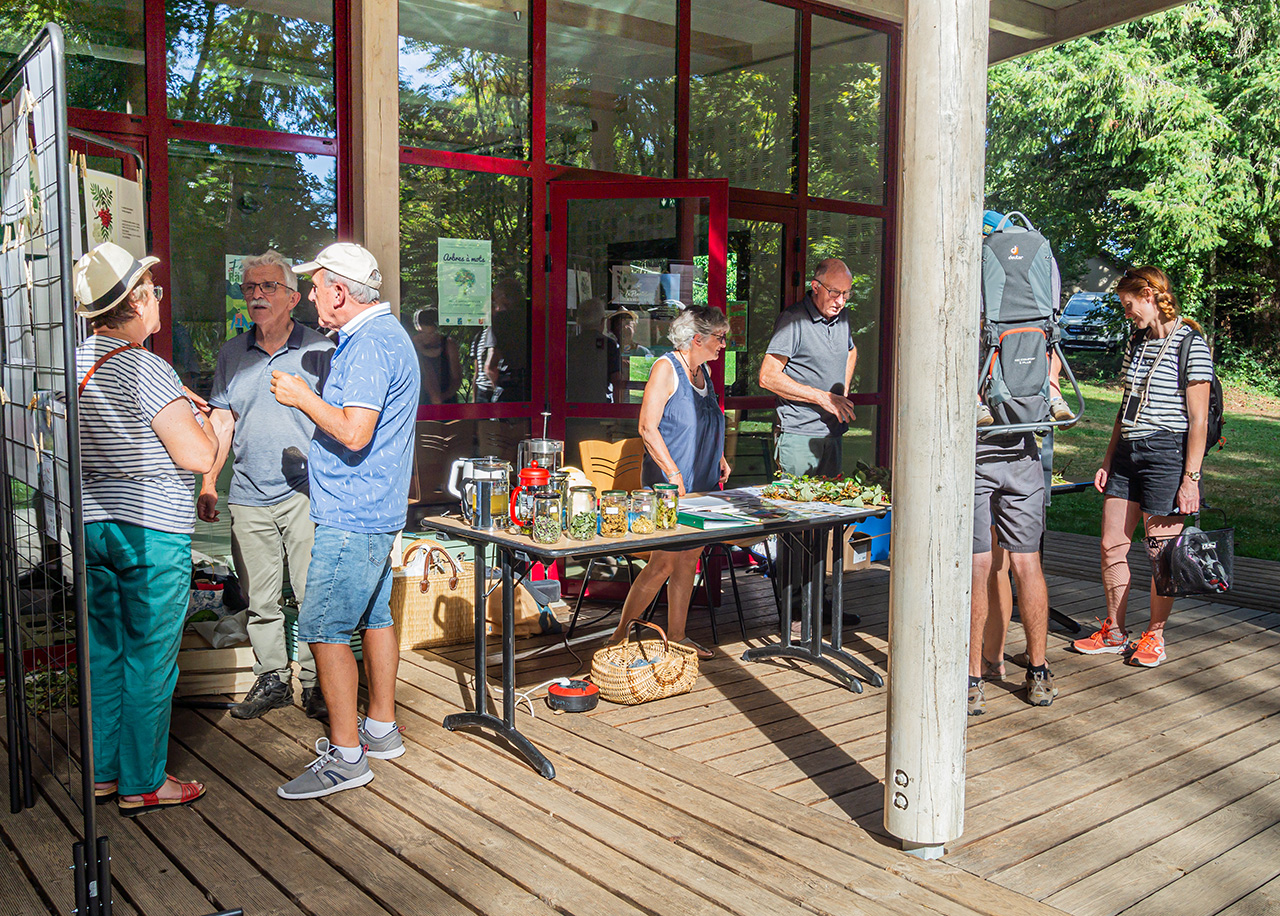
(742,93)
(439,444)
(445,203)
(755,299)
(632,265)
(859,442)
(464,76)
(847,107)
(611,85)
(858,241)
(229,201)
(104,48)
(245,65)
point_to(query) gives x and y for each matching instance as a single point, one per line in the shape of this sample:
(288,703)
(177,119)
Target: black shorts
(1148,471)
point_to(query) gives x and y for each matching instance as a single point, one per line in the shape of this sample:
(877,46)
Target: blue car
(1090,322)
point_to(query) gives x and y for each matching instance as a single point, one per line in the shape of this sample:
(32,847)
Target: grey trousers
(814,455)
(261,539)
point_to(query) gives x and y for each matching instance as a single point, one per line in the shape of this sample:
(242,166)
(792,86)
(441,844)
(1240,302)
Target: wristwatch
(1193,476)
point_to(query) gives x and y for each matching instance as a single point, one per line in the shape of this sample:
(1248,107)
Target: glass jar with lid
(643,515)
(547,515)
(613,513)
(583,520)
(668,499)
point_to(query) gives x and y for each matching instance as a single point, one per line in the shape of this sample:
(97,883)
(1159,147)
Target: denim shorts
(348,586)
(1148,471)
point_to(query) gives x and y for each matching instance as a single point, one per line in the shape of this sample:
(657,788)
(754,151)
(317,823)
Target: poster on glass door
(464,278)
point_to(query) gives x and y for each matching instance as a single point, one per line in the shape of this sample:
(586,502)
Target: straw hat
(347,260)
(103,277)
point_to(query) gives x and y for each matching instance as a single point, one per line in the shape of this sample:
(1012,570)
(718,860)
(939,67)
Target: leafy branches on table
(867,487)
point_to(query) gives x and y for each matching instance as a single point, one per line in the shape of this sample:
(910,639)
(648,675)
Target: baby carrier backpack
(1021,296)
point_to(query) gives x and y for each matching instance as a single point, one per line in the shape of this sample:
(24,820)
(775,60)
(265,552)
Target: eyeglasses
(158,292)
(835,293)
(723,338)
(269,288)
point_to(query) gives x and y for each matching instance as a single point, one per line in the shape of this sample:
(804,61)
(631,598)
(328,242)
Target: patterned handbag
(639,670)
(1195,562)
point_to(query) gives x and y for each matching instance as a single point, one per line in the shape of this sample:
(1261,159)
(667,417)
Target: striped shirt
(1166,407)
(127,472)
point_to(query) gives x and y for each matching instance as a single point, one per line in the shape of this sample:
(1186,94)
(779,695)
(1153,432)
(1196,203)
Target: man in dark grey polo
(268,498)
(809,366)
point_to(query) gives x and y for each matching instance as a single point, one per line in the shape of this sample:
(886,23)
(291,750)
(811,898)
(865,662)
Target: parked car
(1091,321)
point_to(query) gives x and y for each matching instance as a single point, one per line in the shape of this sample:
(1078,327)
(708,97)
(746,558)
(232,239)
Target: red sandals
(150,801)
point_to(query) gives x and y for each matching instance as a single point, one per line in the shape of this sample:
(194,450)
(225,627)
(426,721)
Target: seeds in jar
(613,524)
(582,527)
(642,524)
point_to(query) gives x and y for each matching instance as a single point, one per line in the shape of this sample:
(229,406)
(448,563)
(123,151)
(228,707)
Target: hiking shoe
(268,692)
(313,703)
(388,747)
(1148,651)
(1059,409)
(977,699)
(984,416)
(1108,640)
(1040,689)
(327,774)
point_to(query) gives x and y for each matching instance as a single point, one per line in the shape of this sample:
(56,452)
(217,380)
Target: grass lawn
(1243,479)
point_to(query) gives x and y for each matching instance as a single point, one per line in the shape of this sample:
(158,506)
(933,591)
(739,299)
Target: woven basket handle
(666,644)
(434,553)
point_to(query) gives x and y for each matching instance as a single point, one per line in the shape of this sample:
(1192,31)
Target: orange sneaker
(1109,639)
(1148,651)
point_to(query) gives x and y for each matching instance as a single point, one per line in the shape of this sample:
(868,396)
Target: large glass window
(755,276)
(105,45)
(611,85)
(255,63)
(464,77)
(848,82)
(469,207)
(859,242)
(228,202)
(742,93)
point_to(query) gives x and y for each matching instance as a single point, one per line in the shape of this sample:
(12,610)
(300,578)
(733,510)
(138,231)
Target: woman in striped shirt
(1152,465)
(141,437)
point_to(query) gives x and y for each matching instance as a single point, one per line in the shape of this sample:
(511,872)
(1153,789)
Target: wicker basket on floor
(436,608)
(639,670)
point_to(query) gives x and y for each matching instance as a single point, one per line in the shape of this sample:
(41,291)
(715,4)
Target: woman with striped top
(141,437)
(1152,464)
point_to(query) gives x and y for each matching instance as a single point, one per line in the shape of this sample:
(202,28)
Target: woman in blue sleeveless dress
(683,430)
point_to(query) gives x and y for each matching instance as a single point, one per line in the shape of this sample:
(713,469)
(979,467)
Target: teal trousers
(139,587)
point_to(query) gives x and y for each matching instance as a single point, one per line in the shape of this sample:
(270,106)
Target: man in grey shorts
(809,365)
(1009,495)
(268,498)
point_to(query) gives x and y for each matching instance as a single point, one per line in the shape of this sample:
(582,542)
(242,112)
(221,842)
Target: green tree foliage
(1156,142)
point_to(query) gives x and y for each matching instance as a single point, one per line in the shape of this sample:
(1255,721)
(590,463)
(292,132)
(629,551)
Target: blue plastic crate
(878,529)
(291,636)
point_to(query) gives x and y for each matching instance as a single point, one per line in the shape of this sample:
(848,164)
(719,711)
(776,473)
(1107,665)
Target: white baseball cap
(103,277)
(349,261)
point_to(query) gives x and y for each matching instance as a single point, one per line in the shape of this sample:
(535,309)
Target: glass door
(626,258)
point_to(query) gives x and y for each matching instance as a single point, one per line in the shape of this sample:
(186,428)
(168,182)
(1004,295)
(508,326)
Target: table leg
(506,726)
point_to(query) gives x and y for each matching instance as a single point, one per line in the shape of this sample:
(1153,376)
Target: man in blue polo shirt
(270,510)
(809,365)
(361,460)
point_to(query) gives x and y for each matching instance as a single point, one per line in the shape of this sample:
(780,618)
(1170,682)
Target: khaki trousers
(262,537)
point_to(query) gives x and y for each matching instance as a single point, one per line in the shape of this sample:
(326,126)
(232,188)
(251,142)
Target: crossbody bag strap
(98,365)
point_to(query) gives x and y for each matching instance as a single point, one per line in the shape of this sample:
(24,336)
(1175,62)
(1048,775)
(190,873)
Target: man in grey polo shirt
(270,508)
(809,366)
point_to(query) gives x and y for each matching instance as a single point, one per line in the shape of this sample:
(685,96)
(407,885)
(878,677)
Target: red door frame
(715,190)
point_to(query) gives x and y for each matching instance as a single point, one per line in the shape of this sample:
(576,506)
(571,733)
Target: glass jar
(668,498)
(643,517)
(583,520)
(613,513)
(560,480)
(547,513)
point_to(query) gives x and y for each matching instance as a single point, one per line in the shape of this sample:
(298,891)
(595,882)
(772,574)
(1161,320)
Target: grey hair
(697,319)
(272,258)
(358,291)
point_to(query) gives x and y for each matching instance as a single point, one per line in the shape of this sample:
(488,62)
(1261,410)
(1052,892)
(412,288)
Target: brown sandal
(150,801)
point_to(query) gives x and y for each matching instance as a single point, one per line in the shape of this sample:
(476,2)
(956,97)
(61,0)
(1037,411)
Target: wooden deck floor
(1137,792)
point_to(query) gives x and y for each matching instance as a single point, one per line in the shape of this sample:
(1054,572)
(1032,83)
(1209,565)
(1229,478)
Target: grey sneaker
(388,747)
(977,699)
(327,774)
(1040,689)
(1059,409)
(268,692)
(984,415)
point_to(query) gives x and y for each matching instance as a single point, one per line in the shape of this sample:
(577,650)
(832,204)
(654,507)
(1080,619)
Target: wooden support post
(375,132)
(944,118)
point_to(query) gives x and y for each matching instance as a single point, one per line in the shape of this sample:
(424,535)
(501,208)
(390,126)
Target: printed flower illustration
(102,201)
(465,280)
